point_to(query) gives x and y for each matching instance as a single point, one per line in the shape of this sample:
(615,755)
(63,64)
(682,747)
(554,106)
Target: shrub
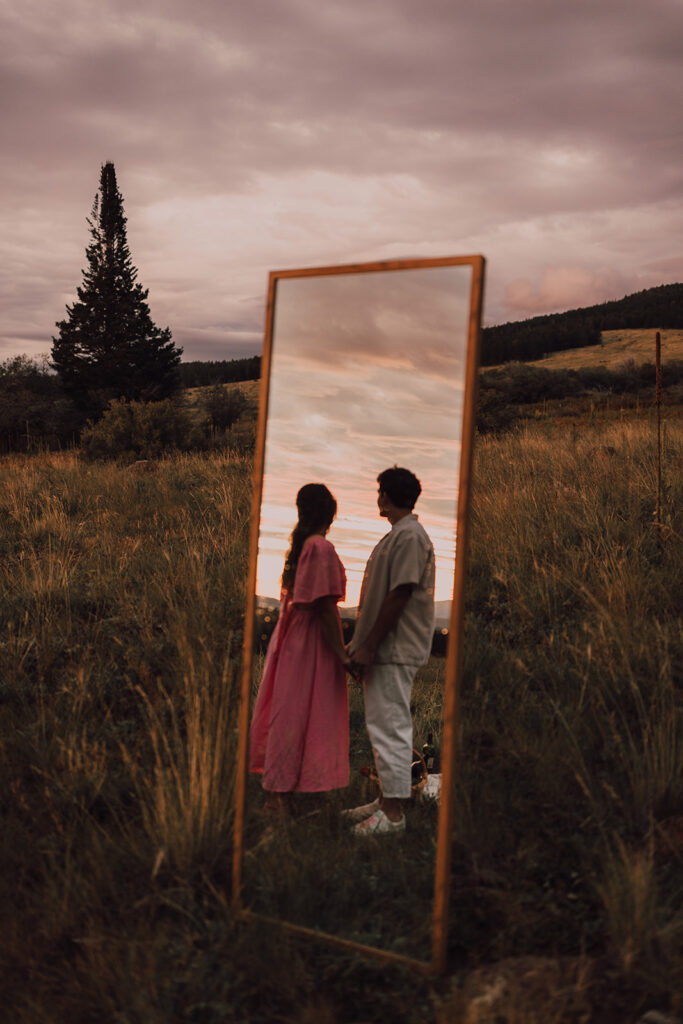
(241,437)
(522,384)
(34,412)
(225,406)
(494,413)
(141,430)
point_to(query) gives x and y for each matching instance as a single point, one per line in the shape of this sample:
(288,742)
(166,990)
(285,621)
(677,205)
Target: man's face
(383,503)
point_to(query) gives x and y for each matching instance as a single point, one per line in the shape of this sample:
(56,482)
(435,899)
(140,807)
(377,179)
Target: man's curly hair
(401,486)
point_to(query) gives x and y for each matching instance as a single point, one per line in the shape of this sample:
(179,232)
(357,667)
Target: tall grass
(121,598)
(186,801)
(572,746)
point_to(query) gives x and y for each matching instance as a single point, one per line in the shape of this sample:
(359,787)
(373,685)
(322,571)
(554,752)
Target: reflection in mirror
(367,370)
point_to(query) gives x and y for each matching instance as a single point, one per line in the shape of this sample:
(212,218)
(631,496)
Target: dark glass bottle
(429,754)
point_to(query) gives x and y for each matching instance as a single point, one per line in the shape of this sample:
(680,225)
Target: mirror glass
(367,370)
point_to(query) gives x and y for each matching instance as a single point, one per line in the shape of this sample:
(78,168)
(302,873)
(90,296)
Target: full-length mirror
(365,368)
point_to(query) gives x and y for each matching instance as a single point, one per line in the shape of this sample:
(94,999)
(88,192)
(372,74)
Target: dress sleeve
(319,573)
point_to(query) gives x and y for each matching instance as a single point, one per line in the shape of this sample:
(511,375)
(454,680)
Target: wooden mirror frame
(437,964)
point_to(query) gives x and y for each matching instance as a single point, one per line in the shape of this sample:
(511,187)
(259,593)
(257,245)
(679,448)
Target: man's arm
(390,612)
(325,609)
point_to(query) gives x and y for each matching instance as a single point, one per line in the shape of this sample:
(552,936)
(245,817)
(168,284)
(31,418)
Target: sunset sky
(367,372)
(285,133)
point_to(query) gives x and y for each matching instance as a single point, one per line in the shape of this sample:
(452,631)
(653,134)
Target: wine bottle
(429,753)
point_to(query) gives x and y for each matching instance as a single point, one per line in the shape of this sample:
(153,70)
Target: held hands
(359,664)
(349,666)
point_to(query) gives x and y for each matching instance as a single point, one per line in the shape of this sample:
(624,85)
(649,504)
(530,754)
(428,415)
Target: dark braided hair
(317,508)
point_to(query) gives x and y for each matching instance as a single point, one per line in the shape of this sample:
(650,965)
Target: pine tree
(109,347)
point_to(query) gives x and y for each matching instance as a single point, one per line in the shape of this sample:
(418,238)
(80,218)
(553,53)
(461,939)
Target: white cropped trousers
(390,725)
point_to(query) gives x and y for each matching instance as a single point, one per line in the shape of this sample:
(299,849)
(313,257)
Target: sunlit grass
(616,348)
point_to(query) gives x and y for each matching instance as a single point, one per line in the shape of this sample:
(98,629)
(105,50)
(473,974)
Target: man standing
(392,638)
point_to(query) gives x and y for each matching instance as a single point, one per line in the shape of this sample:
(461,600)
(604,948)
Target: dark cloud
(291,132)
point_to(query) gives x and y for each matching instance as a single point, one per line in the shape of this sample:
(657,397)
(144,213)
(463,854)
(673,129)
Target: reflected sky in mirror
(367,372)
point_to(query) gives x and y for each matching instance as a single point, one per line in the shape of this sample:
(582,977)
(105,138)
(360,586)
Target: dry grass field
(616,349)
(121,600)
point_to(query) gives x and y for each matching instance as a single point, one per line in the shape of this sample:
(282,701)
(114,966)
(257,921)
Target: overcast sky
(250,136)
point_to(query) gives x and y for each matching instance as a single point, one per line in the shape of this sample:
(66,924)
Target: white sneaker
(379,825)
(354,814)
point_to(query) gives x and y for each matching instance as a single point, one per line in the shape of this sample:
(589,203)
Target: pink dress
(299,737)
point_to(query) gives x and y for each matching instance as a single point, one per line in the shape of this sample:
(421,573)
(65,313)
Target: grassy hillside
(121,598)
(616,348)
(196,397)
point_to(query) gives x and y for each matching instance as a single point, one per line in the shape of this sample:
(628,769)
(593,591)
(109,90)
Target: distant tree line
(527,340)
(196,374)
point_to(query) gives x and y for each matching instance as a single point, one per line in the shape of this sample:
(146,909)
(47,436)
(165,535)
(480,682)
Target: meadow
(121,596)
(617,348)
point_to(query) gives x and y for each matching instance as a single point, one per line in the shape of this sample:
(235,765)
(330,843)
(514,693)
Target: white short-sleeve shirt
(404,555)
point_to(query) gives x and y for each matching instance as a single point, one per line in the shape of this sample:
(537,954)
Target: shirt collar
(404,521)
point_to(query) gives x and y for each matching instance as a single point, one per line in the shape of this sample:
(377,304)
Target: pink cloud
(670,268)
(563,288)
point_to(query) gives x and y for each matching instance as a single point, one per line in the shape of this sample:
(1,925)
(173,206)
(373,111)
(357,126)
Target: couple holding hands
(299,739)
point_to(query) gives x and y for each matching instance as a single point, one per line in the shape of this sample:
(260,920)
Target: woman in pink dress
(299,739)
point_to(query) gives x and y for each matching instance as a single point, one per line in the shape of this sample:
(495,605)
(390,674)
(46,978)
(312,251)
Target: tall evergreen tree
(108,346)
